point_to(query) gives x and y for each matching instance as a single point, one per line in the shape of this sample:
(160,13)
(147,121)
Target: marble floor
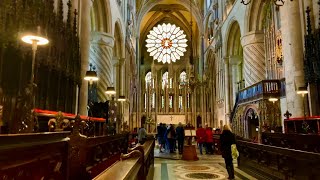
(170,167)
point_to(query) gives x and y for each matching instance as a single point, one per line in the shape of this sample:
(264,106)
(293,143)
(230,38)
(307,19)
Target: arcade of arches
(195,62)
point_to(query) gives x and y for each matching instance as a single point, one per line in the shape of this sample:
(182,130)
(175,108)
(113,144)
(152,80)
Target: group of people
(205,139)
(168,136)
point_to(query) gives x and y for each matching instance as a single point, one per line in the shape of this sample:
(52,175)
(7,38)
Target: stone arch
(255,14)
(100,54)
(234,53)
(118,60)
(250,123)
(101,16)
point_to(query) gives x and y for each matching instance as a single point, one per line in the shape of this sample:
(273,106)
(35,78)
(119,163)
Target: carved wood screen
(57,72)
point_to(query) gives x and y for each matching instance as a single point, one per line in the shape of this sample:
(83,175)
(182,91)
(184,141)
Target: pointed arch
(101,16)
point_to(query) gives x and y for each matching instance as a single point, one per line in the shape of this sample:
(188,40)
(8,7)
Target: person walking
(209,140)
(227,138)
(201,137)
(180,137)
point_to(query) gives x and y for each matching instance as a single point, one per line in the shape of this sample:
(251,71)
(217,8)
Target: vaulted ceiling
(169,11)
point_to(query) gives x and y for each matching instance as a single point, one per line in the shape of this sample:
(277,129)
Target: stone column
(85,25)
(254,57)
(226,88)
(122,76)
(116,75)
(235,62)
(101,56)
(293,55)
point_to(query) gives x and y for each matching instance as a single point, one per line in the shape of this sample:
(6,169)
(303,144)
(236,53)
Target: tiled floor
(171,167)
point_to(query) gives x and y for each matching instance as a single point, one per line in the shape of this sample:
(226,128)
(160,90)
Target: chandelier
(166,43)
(276,2)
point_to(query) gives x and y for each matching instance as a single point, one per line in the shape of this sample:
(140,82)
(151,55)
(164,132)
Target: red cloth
(201,135)
(209,135)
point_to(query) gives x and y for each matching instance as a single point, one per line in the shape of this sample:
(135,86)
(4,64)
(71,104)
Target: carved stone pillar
(227,88)
(85,25)
(235,66)
(254,57)
(101,57)
(293,55)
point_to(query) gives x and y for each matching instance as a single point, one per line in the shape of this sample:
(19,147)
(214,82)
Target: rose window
(166,43)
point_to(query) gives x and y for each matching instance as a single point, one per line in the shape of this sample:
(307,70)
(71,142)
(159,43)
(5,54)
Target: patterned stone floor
(208,167)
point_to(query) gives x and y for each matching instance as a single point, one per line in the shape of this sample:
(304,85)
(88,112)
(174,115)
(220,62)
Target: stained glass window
(166,43)
(165,80)
(183,78)
(180,102)
(162,101)
(170,101)
(153,100)
(148,79)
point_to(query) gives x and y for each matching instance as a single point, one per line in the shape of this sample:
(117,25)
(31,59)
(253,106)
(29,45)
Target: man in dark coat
(227,138)
(180,137)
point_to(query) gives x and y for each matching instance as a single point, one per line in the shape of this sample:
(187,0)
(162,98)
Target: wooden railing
(277,163)
(59,155)
(263,89)
(304,142)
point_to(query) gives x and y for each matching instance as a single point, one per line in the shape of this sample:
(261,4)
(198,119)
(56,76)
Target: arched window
(165,80)
(183,78)
(148,79)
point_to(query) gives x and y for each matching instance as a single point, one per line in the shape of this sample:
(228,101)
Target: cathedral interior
(80,81)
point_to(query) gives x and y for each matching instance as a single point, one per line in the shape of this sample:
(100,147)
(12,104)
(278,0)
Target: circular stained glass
(166,43)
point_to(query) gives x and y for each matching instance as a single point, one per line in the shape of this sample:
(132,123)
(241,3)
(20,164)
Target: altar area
(171,118)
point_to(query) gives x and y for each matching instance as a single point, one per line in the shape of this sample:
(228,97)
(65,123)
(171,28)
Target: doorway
(199,121)
(252,120)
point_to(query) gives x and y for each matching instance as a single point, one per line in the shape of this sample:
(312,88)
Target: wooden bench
(136,165)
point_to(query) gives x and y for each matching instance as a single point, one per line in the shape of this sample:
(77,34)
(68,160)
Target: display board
(171,119)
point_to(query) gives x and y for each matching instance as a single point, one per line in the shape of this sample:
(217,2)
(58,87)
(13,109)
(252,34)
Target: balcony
(262,90)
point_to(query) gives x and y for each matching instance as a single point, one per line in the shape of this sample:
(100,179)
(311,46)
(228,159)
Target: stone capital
(101,38)
(252,37)
(235,60)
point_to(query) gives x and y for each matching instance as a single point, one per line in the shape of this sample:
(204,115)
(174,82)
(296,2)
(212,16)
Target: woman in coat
(227,138)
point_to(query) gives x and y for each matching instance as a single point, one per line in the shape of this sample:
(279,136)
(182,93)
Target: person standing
(142,135)
(209,140)
(161,132)
(180,137)
(227,138)
(201,137)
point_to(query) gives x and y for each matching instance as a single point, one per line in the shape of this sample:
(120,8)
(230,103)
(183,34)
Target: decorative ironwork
(276,2)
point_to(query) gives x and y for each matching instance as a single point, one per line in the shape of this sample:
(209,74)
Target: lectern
(189,150)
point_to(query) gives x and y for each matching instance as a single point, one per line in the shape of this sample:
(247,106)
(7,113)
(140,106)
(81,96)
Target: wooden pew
(34,156)
(59,155)
(277,163)
(136,165)
(304,142)
(90,156)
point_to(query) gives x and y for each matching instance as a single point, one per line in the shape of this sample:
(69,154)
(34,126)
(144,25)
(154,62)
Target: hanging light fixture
(91,75)
(122,98)
(276,2)
(110,90)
